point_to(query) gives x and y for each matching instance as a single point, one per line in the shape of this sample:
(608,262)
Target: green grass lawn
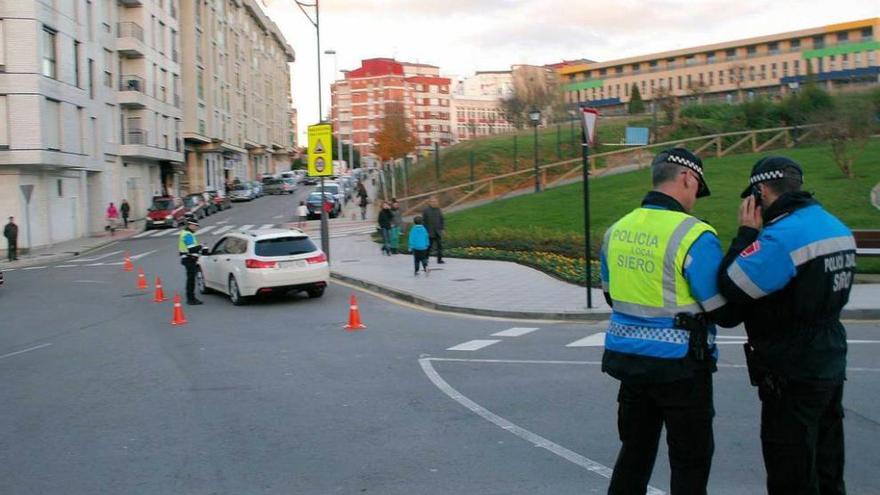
(552,221)
(494,155)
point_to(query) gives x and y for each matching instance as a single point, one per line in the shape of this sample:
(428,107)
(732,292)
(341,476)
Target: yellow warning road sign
(320,150)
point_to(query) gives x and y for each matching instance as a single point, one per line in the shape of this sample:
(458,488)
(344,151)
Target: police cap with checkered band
(773,168)
(683,157)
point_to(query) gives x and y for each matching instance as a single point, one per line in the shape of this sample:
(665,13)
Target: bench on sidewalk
(867,242)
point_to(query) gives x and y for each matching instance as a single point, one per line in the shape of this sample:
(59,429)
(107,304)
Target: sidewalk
(67,249)
(495,288)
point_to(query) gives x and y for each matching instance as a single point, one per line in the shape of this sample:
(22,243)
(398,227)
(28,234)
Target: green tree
(394,140)
(636,104)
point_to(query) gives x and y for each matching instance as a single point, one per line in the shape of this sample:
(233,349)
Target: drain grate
(463,279)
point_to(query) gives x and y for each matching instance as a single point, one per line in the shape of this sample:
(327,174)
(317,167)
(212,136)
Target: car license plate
(294,264)
(159,221)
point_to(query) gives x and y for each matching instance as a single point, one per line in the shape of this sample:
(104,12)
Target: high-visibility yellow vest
(645,253)
(182,247)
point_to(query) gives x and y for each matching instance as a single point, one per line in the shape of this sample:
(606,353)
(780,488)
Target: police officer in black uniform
(790,269)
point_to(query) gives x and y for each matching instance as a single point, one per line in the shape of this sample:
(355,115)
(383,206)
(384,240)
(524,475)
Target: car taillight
(321,258)
(260,264)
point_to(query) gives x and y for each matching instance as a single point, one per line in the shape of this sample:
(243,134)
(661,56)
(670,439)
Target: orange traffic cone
(160,294)
(142,279)
(354,316)
(127,266)
(178,318)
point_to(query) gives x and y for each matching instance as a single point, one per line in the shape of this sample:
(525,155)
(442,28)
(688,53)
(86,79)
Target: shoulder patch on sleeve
(752,249)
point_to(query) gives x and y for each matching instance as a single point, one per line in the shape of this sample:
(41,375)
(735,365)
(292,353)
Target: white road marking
(205,230)
(9,269)
(277,216)
(139,256)
(25,350)
(514,332)
(96,258)
(595,340)
(246,227)
(266,226)
(165,232)
(534,439)
(473,345)
(66,266)
(94,264)
(35,267)
(222,222)
(223,229)
(142,234)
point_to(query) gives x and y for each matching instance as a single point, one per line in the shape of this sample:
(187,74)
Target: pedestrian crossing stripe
(337,229)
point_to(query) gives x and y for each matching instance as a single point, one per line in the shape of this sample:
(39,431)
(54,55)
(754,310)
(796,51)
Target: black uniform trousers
(192,267)
(12,249)
(686,408)
(802,438)
(436,242)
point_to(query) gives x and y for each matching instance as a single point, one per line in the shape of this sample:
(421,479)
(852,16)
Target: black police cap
(683,157)
(773,168)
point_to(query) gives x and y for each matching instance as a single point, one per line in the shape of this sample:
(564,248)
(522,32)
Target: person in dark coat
(125,210)
(362,194)
(386,216)
(10,232)
(432,216)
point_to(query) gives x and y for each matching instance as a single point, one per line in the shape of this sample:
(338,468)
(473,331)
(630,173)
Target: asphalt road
(101,394)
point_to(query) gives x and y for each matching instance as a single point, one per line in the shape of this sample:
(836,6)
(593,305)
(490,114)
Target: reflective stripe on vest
(645,252)
(182,248)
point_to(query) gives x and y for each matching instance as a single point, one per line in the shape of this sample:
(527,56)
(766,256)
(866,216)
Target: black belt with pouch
(698,328)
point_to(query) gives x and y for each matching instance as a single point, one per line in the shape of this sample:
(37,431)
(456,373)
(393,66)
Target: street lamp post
(535,118)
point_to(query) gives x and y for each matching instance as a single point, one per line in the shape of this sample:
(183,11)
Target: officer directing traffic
(790,268)
(659,268)
(189,248)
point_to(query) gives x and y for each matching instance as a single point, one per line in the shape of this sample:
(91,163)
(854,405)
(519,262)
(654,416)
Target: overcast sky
(462,36)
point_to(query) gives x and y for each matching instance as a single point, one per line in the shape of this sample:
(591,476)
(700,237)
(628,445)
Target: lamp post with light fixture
(535,118)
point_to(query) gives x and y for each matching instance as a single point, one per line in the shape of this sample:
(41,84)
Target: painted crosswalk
(109,259)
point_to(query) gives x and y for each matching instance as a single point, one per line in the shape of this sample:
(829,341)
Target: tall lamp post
(535,118)
(325,227)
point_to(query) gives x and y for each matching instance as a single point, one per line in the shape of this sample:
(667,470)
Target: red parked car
(165,212)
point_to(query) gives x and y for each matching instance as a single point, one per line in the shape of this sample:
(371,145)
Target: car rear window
(331,188)
(163,204)
(241,187)
(284,246)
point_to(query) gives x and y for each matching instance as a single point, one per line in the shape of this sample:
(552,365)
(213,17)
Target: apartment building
(358,102)
(237,99)
(838,55)
(87,112)
(476,105)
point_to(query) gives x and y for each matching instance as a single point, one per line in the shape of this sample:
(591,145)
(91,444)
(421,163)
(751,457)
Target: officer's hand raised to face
(750,214)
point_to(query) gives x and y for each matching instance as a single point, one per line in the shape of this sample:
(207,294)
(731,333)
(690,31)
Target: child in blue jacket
(418,244)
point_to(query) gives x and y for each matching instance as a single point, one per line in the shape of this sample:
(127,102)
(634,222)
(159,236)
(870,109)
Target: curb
(599,315)
(427,303)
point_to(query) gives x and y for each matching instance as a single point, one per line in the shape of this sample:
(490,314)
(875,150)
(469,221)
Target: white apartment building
(476,105)
(87,111)
(236,92)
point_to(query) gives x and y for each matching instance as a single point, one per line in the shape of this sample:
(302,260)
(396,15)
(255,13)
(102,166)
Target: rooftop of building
(814,31)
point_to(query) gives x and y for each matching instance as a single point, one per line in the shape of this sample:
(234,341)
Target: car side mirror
(206,251)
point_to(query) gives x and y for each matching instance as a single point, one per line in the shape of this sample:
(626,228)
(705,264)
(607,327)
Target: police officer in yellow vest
(189,248)
(659,268)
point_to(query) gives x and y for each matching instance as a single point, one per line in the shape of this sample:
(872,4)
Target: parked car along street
(242,192)
(165,212)
(313,204)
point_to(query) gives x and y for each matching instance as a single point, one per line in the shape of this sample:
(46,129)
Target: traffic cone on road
(160,294)
(354,316)
(178,318)
(127,266)
(142,279)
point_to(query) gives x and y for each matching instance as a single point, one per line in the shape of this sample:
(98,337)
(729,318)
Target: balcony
(136,145)
(135,136)
(131,39)
(132,92)
(132,3)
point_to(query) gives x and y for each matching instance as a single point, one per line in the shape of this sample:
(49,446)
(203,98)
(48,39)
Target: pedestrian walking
(396,225)
(418,243)
(189,249)
(10,232)
(432,216)
(790,268)
(659,269)
(302,213)
(363,199)
(112,218)
(385,218)
(125,209)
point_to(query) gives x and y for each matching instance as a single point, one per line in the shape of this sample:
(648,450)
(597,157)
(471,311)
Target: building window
(751,51)
(795,45)
(59,185)
(52,124)
(108,68)
(842,37)
(730,53)
(818,42)
(49,65)
(200,84)
(710,58)
(867,34)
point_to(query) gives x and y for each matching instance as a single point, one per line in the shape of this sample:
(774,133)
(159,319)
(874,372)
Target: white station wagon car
(267,261)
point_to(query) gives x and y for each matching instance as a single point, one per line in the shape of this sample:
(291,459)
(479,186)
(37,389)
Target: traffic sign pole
(590,116)
(321,165)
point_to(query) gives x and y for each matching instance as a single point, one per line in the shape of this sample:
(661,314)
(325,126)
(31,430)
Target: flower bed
(569,269)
